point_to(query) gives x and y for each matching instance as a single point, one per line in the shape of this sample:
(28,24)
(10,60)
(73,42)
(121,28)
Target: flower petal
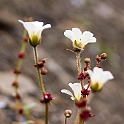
(46,26)
(30,27)
(76,87)
(107,76)
(69,34)
(35,27)
(68,92)
(87,37)
(100,76)
(77,34)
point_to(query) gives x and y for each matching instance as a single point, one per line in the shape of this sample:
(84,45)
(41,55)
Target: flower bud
(87,60)
(85,92)
(98,58)
(82,103)
(16,71)
(86,113)
(81,76)
(103,56)
(21,55)
(20,111)
(43,71)
(39,65)
(15,84)
(26,39)
(46,98)
(17,96)
(68,113)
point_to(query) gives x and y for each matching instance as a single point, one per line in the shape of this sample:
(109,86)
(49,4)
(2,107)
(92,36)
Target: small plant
(89,82)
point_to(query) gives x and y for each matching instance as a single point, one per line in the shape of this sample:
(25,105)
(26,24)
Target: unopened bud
(87,60)
(98,58)
(26,39)
(85,92)
(15,84)
(20,111)
(86,113)
(103,56)
(16,71)
(43,71)
(44,60)
(21,55)
(81,76)
(68,113)
(42,100)
(82,103)
(46,98)
(17,96)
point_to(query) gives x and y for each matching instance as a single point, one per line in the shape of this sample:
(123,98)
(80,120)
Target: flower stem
(90,96)
(78,62)
(79,66)
(65,120)
(81,121)
(38,71)
(77,118)
(47,113)
(19,65)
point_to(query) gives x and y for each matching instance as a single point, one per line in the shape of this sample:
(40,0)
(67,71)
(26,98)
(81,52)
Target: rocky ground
(104,18)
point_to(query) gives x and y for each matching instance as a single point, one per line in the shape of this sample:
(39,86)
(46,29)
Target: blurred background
(105,19)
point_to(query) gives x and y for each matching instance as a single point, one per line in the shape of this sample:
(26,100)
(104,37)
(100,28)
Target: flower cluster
(96,79)
(89,81)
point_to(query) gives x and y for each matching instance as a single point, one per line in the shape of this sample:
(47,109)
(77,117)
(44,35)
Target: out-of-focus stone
(26,85)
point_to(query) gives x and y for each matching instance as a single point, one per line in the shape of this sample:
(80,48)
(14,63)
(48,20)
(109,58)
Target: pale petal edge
(69,34)
(21,21)
(66,92)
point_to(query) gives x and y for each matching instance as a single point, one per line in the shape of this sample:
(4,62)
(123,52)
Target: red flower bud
(15,84)
(17,96)
(98,58)
(85,92)
(26,39)
(81,76)
(82,103)
(20,111)
(86,113)
(21,55)
(46,98)
(16,71)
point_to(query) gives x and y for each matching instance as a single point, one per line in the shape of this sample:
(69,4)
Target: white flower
(76,87)
(78,38)
(99,78)
(34,30)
